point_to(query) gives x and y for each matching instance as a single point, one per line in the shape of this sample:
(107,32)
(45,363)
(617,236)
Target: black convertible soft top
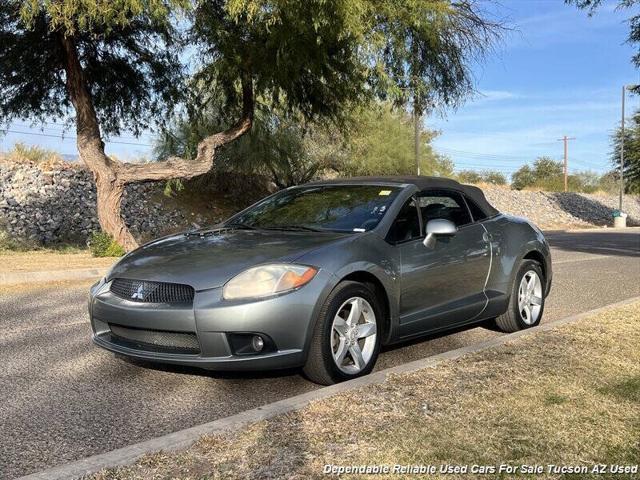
(423,183)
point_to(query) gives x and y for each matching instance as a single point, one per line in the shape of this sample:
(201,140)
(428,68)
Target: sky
(559,72)
(556,72)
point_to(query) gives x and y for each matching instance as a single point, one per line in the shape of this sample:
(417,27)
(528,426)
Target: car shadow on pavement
(615,242)
(201,372)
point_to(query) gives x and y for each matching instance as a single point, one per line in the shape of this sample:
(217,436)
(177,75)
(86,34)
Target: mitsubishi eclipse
(320,276)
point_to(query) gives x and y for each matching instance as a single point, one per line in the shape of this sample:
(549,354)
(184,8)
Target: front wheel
(345,341)
(526,304)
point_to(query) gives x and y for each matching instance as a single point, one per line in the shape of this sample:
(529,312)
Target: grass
(40,260)
(568,396)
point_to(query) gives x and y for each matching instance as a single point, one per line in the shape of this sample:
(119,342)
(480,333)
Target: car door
(442,286)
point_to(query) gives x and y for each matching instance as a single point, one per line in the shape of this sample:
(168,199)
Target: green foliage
(494,177)
(280,145)
(548,174)
(488,176)
(631,153)
(381,142)
(377,140)
(103,245)
(131,65)
(71,16)
(317,59)
(469,176)
(9,244)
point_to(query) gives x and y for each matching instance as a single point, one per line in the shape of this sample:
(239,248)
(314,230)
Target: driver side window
(443,204)
(406,225)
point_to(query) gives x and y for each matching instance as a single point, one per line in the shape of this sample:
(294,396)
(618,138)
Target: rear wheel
(526,304)
(345,341)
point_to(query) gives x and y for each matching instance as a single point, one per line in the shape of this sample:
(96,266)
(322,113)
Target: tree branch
(177,167)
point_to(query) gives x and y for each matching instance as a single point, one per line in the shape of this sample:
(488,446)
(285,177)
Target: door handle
(487,237)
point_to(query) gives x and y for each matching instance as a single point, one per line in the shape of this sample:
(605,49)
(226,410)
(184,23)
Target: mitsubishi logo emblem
(139,294)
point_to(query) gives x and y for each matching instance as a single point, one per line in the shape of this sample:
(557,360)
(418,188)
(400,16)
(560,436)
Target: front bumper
(285,321)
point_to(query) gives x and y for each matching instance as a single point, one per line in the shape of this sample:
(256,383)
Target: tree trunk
(111,176)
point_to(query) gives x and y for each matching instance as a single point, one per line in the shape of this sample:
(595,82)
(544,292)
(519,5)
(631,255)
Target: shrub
(32,153)
(103,245)
(469,176)
(492,177)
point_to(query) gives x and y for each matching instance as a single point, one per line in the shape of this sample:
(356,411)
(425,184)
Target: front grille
(155,340)
(152,292)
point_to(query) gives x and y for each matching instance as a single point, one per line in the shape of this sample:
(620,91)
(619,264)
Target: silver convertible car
(320,276)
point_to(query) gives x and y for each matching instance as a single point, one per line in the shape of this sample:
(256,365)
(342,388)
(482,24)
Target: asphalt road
(62,399)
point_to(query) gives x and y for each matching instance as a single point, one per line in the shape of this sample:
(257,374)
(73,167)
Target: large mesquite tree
(117,65)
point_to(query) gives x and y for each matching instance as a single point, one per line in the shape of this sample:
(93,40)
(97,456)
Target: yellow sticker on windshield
(384,193)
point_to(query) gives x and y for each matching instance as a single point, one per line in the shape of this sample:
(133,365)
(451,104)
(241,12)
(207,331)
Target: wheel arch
(376,285)
(538,257)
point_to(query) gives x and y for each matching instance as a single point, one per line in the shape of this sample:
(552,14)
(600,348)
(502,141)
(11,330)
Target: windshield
(344,208)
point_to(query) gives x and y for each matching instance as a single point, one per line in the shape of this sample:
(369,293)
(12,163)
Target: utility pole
(566,139)
(416,133)
(624,87)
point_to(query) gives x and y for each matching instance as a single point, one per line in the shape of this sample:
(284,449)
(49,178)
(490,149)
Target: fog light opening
(257,343)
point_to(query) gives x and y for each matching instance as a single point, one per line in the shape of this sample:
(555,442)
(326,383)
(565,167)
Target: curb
(185,438)
(45,276)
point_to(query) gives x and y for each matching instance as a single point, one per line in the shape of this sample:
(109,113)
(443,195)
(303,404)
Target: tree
(116,65)
(546,173)
(374,139)
(631,153)
(381,142)
(634,22)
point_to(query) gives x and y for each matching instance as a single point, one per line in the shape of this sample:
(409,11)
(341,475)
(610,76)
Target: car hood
(210,260)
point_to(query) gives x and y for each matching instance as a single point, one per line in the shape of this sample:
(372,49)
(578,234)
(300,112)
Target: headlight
(268,280)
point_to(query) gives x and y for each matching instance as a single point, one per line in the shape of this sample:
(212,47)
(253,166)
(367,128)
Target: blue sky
(559,72)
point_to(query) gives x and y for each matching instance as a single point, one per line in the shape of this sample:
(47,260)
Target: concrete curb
(14,278)
(185,438)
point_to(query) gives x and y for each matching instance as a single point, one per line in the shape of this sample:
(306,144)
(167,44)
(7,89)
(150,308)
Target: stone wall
(54,204)
(48,206)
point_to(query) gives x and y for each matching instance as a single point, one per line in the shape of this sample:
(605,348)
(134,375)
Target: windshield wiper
(303,228)
(239,225)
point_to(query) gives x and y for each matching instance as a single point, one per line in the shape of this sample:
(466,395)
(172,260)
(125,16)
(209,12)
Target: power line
(71,137)
(62,129)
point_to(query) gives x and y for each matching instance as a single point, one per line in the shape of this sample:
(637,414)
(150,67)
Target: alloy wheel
(530,297)
(353,335)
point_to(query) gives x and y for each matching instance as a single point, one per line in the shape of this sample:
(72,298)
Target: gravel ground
(62,399)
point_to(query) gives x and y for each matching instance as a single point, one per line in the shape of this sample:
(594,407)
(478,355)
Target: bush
(103,245)
(492,177)
(469,176)
(32,153)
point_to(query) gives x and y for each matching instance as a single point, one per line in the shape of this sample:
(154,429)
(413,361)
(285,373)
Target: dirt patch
(36,261)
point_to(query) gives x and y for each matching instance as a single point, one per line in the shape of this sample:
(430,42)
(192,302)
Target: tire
(515,318)
(327,342)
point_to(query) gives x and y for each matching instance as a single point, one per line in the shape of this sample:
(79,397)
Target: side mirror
(439,226)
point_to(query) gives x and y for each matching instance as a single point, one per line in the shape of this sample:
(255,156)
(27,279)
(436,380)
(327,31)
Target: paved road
(62,399)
